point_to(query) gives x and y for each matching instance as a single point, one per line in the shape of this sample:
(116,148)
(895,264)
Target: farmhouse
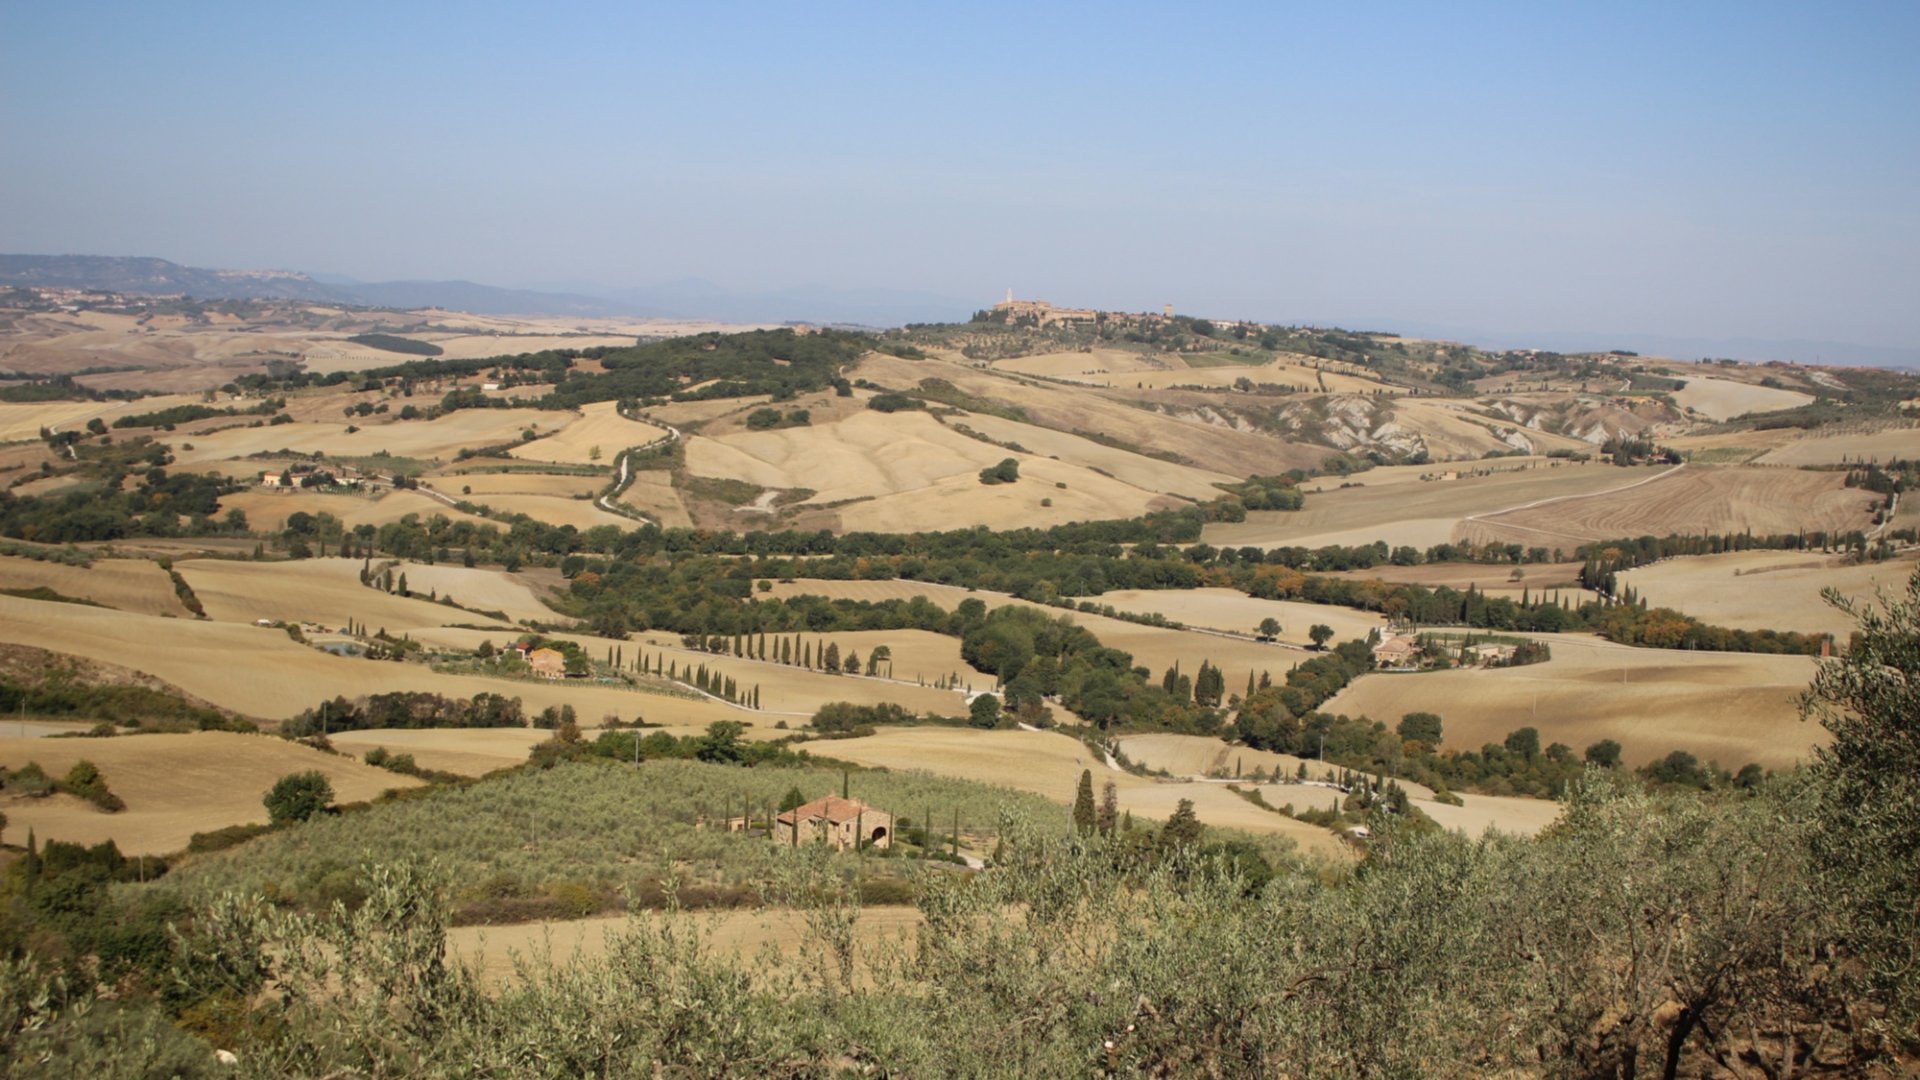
(1396,652)
(548,663)
(1491,653)
(844,823)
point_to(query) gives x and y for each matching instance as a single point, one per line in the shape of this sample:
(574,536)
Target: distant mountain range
(688,299)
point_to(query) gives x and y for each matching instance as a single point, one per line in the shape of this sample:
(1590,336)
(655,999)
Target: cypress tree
(1083,804)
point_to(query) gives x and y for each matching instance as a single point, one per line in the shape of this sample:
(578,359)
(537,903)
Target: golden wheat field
(127,584)
(1732,708)
(1420,514)
(596,437)
(1049,764)
(175,785)
(1768,590)
(1690,500)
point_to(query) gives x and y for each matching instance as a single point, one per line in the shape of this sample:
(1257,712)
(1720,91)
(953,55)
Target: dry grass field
(1689,499)
(777,933)
(1838,449)
(1722,399)
(1195,755)
(1156,647)
(600,427)
(175,785)
(1768,590)
(1727,707)
(436,439)
(1049,764)
(1421,514)
(268,511)
(127,584)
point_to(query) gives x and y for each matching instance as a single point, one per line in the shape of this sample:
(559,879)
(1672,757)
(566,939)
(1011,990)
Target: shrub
(298,797)
(1006,472)
(85,781)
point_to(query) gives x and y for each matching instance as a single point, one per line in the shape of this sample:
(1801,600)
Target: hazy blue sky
(1697,169)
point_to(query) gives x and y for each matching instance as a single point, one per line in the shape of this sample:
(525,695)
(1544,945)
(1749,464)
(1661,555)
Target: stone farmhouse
(844,823)
(547,663)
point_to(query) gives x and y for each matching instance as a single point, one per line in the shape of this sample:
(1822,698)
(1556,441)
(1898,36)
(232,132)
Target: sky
(1698,170)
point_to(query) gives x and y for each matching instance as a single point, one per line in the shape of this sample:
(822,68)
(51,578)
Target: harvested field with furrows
(436,439)
(595,438)
(1486,577)
(1215,446)
(517,482)
(1723,399)
(268,511)
(517,596)
(1127,369)
(324,591)
(1155,647)
(582,514)
(1197,755)
(1878,446)
(653,494)
(174,785)
(1733,708)
(24,421)
(908,472)
(127,584)
(1420,514)
(788,692)
(1237,613)
(1049,764)
(260,672)
(1768,590)
(462,751)
(1689,500)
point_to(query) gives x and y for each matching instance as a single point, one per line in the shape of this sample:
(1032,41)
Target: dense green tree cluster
(405,709)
